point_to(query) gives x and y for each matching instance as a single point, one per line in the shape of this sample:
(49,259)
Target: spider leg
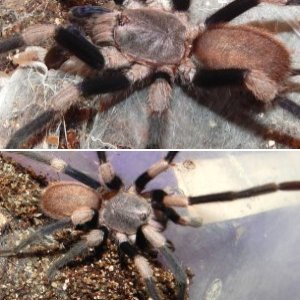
(237,7)
(154,171)
(176,218)
(62,166)
(158,102)
(247,121)
(161,201)
(251,192)
(107,174)
(179,5)
(141,264)
(63,100)
(69,38)
(107,82)
(36,236)
(183,201)
(295,72)
(258,82)
(158,241)
(137,75)
(93,239)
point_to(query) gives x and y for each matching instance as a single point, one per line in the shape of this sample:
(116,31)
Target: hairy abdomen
(243,47)
(61,199)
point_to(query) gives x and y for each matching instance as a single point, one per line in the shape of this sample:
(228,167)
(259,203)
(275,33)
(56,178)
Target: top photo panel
(134,74)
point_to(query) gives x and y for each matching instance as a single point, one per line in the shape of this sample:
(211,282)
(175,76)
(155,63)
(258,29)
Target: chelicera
(124,216)
(153,43)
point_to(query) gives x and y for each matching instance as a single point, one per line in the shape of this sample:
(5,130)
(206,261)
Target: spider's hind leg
(36,236)
(93,239)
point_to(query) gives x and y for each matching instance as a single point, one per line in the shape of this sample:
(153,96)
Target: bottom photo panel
(198,225)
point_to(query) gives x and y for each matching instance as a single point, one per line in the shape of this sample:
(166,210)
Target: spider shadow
(241,109)
(85,258)
(276,27)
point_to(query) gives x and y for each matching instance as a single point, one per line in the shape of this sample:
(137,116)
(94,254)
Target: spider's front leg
(162,197)
(107,174)
(69,38)
(154,170)
(160,201)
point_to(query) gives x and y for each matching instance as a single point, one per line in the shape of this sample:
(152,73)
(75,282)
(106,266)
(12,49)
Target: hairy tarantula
(126,213)
(155,43)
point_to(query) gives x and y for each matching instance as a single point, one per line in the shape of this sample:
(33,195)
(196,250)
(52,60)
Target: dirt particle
(189,165)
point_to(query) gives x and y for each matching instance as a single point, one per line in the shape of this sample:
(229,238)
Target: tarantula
(126,213)
(155,43)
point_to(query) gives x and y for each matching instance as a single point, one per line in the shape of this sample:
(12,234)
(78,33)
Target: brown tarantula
(125,214)
(154,42)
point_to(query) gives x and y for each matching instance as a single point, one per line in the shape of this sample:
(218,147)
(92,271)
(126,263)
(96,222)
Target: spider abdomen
(61,199)
(243,47)
(126,213)
(152,36)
